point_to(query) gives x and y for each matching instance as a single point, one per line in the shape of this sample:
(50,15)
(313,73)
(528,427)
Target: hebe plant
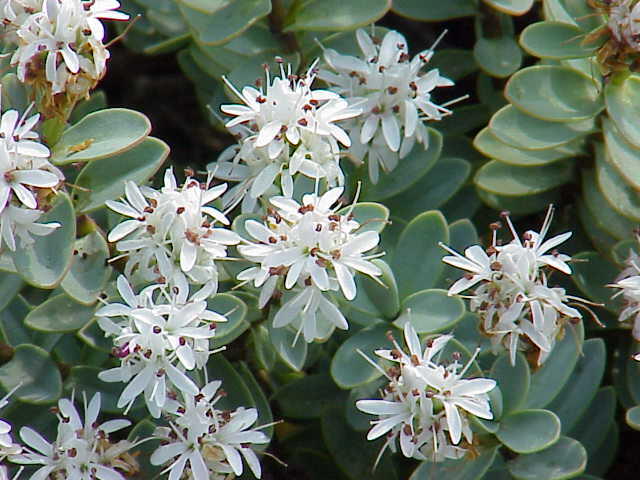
(418,259)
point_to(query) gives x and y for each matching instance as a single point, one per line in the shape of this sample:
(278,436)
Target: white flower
(623,22)
(67,35)
(628,283)
(81,448)
(286,129)
(206,441)
(171,232)
(394,93)
(162,332)
(425,399)
(510,293)
(313,247)
(7,446)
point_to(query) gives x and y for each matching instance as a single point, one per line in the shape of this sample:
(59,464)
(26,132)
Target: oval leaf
(529,431)
(555,40)
(514,381)
(89,270)
(431,311)
(566,459)
(323,15)
(508,180)
(59,314)
(33,369)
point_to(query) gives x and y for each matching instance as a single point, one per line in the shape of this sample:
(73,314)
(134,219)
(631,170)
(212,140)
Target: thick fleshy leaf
(370,215)
(566,459)
(329,15)
(236,312)
(420,264)
(431,311)
(84,378)
(434,190)
(350,449)
(623,105)
(529,431)
(89,271)
(520,205)
(547,382)
(575,397)
(433,10)
(101,134)
(468,469)
(602,212)
(59,314)
(490,146)
(621,154)
(632,417)
(555,40)
(306,397)
(554,93)
(348,368)
(514,381)
(224,24)
(412,169)
(282,340)
(34,370)
(508,180)
(591,273)
(513,127)
(10,285)
(384,297)
(622,197)
(511,7)
(103,180)
(44,263)
(238,393)
(498,56)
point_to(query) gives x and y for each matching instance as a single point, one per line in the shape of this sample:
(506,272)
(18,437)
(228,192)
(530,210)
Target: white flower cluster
(82,448)
(517,309)
(624,22)
(8,448)
(171,232)
(394,92)
(160,333)
(203,442)
(66,36)
(25,176)
(285,129)
(628,283)
(426,405)
(309,248)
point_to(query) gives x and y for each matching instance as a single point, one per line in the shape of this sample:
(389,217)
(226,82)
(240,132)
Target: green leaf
(357,419)
(511,126)
(511,7)
(556,40)
(514,381)
(145,430)
(508,180)
(435,189)
(434,10)
(469,468)
(521,205)
(10,286)
(409,172)
(89,270)
(622,197)
(592,428)
(59,314)
(601,239)
(93,336)
(323,15)
(623,105)
(236,312)
(351,451)
(431,311)
(33,369)
(103,180)
(624,157)
(575,397)
(547,382)
(498,56)
(348,368)
(205,6)
(265,416)
(456,62)
(370,215)
(283,342)
(602,212)
(385,298)
(632,417)
(554,93)
(529,431)
(225,23)
(238,394)
(84,378)
(97,101)
(14,93)
(101,134)
(487,143)
(566,459)
(44,263)
(263,350)
(591,273)
(306,397)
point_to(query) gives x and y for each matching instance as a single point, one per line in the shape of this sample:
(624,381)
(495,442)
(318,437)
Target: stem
(276,24)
